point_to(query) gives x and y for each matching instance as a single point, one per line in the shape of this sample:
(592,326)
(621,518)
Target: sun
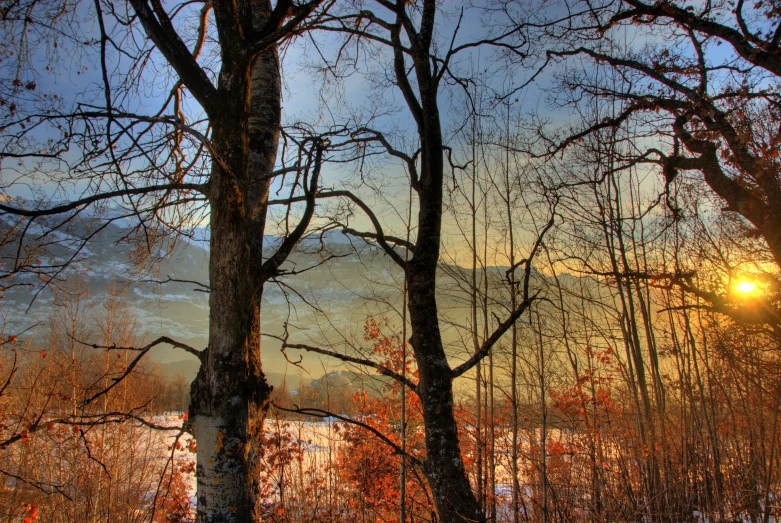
(746,287)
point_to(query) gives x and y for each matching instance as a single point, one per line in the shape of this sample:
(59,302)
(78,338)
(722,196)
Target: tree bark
(444,467)
(230,395)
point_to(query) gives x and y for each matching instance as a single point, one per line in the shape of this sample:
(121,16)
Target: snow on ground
(316,444)
(317,440)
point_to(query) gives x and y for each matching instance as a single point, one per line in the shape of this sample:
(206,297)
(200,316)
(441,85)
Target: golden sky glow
(746,287)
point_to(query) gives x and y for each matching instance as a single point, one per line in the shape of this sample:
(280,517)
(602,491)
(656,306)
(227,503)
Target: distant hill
(335,282)
(188,369)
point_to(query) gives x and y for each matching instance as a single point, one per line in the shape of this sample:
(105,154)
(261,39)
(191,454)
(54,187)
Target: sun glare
(746,287)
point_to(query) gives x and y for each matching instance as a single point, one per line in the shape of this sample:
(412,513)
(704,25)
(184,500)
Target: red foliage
(30,513)
(369,467)
(175,506)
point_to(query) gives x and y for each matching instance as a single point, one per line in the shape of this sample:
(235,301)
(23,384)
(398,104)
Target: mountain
(179,308)
(332,283)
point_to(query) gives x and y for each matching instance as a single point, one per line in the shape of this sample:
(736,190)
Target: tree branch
(142,352)
(102,196)
(160,30)
(320,413)
(350,359)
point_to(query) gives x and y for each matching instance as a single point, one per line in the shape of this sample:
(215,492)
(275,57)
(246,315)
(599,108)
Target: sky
(74,75)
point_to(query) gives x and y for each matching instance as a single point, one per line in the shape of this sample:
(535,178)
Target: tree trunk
(444,467)
(230,395)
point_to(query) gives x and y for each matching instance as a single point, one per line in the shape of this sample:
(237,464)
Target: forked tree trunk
(230,395)
(444,468)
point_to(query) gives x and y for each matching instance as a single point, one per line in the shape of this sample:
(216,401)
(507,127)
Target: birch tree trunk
(230,395)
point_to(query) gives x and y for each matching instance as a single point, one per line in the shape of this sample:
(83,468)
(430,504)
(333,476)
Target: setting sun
(746,287)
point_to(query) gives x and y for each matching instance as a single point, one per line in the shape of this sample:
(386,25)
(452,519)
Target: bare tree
(699,84)
(209,147)
(406,33)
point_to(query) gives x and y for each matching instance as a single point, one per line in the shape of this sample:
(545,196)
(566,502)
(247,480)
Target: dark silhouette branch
(350,359)
(320,413)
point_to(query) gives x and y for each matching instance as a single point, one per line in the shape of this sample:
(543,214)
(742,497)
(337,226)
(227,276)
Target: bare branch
(350,359)
(142,352)
(59,209)
(320,413)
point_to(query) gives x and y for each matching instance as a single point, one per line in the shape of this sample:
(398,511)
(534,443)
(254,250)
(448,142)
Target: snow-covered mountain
(165,306)
(333,282)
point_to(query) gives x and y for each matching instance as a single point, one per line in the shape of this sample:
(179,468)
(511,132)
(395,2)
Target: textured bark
(444,467)
(230,395)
